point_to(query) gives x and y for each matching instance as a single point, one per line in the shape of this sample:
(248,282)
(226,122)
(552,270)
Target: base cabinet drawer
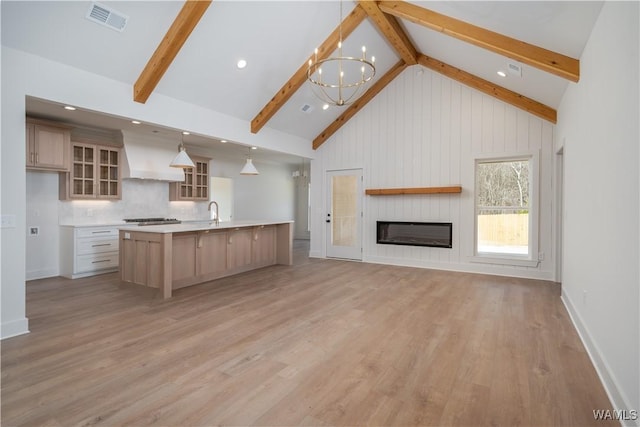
(86,263)
(86,251)
(87,247)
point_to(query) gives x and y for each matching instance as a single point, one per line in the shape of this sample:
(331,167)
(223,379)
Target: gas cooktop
(152,221)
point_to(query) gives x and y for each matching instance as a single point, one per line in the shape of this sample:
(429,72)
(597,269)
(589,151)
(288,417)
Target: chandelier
(337,80)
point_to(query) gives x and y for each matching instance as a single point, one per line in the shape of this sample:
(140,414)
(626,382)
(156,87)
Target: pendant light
(182,160)
(249,168)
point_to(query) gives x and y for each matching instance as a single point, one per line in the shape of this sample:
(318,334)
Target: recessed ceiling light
(69,107)
(325,107)
(135,122)
(254,148)
(502,73)
(241,64)
(224,141)
(185,133)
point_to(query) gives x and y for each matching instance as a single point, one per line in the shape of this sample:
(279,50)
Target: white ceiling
(276,37)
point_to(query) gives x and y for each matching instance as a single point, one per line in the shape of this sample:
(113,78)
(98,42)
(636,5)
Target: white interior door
(344,214)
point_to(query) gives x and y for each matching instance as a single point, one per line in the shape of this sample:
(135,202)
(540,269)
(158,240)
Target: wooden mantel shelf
(416,190)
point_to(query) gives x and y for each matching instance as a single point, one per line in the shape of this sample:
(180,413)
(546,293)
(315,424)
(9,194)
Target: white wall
(599,129)
(269,195)
(28,75)
(425,130)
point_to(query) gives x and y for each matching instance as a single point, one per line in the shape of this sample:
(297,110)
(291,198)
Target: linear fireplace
(434,234)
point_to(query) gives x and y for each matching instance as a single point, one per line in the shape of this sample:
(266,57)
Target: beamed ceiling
(187,50)
(385,15)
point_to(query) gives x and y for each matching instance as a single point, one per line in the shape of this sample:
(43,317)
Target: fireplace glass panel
(433,234)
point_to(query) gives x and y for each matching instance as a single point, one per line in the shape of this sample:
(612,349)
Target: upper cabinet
(47,146)
(195,186)
(95,173)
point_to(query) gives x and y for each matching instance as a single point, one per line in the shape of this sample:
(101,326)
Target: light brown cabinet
(170,261)
(211,258)
(239,248)
(195,186)
(95,173)
(47,146)
(263,248)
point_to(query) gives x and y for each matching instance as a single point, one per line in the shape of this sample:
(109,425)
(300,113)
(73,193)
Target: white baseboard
(14,328)
(465,268)
(41,274)
(315,254)
(616,396)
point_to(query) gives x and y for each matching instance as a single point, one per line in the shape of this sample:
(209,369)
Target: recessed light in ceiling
(135,122)
(502,73)
(70,108)
(241,64)
(185,133)
(325,107)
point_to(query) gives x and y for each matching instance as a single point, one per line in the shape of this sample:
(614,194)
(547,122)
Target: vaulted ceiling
(467,41)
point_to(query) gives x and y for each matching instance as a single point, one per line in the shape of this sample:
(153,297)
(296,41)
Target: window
(506,209)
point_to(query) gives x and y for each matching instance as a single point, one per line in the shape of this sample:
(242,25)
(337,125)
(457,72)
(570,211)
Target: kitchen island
(173,256)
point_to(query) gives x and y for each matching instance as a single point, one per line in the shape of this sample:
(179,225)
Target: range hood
(148,157)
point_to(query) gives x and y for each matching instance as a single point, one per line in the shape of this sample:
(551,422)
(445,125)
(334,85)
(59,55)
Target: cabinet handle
(102,260)
(103,244)
(101,232)
(32,156)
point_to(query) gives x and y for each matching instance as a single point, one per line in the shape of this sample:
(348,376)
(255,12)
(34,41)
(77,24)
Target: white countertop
(198,226)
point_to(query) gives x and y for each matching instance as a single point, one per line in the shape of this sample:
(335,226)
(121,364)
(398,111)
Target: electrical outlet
(34,231)
(540,256)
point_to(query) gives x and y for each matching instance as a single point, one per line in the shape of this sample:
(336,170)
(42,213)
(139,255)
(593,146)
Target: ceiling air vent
(107,16)
(306,108)
(515,69)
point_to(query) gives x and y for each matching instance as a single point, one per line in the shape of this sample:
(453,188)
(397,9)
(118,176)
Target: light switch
(8,221)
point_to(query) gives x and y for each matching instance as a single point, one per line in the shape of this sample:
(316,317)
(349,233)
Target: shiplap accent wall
(426,130)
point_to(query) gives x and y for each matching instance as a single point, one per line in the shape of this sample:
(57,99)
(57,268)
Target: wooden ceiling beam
(359,104)
(392,31)
(549,61)
(534,107)
(349,24)
(168,48)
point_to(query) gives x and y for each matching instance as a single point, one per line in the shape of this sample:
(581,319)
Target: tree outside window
(502,207)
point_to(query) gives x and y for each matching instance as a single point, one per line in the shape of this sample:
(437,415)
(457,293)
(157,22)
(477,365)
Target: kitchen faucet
(216,220)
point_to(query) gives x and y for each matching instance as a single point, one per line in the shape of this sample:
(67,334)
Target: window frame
(532,259)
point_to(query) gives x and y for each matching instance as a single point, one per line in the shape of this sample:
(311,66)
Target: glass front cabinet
(195,186)
(95,173)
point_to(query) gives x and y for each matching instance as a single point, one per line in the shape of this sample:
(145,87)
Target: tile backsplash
(140,199)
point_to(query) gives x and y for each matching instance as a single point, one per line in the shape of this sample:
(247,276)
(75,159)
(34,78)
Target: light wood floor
(323,342)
